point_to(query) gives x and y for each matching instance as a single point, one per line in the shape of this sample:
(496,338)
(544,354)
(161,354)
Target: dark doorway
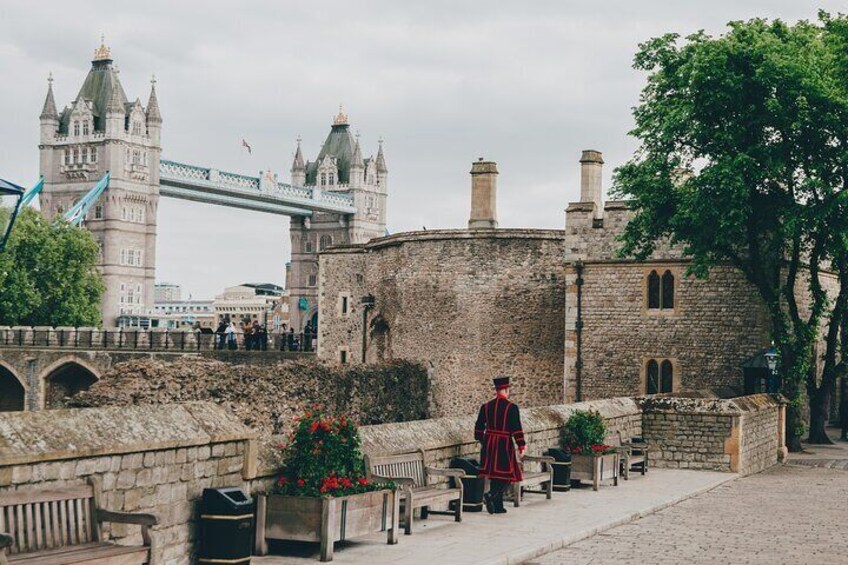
(65,382)
(315,322)
(12,393)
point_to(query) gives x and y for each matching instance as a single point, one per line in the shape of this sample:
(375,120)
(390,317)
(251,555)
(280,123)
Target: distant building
(247,302)
(167,292)
(184,313)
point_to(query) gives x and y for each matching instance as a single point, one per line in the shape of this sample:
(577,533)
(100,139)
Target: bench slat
(63,523)
(19,515)
(88,553)
(29,496)
(84,521)
(39,535)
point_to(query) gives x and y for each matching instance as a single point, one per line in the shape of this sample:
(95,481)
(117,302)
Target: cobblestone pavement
(788,514)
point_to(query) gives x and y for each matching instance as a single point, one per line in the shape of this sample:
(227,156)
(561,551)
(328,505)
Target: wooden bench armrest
(639,447)
(539,458)
(127,518)
(438,471)
(400,481)
(6,540)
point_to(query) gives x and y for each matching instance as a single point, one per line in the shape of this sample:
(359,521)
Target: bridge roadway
(262,194)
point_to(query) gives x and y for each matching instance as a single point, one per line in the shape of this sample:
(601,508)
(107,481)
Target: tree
(48,274)
(744,160)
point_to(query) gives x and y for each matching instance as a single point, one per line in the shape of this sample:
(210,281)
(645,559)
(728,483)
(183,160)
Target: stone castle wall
(468,304)
(149,459)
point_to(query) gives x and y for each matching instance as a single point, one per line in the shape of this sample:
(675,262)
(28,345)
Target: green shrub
(584,433)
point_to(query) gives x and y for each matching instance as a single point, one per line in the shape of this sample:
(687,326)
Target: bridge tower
(339,167)
(103,131)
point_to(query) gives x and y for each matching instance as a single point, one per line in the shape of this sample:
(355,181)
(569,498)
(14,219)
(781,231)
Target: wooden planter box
(325,520)
(595,468)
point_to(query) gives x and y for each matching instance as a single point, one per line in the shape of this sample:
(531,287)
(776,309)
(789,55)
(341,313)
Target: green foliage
(584,433)
(744,140)
(323,458)
(48,274)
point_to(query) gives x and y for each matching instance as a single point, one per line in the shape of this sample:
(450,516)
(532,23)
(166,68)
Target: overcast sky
(526,84)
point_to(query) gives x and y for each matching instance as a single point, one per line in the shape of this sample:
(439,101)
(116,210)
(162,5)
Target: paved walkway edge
(517,558)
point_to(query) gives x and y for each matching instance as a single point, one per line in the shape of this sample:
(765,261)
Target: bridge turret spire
(298,170)
(153,114)
(49,111)
(381,160)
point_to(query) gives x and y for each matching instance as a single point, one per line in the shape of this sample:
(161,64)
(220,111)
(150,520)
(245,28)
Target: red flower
(363,481)
(576,451)
(345,482)
(313,427)
(324,426)
(282,481)
(301,483)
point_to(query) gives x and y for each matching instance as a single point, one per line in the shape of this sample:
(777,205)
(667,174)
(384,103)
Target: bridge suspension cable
(30,194)
(77,213)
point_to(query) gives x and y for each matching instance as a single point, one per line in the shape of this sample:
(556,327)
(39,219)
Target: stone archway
(381,339)
(12,392)
(65,381)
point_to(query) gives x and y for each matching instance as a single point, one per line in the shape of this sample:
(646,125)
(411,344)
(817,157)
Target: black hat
(501,382)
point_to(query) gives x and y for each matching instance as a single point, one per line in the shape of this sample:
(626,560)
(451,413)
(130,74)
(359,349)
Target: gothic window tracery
(660,290)
(76,127)
(325,242)
(85,127)
(659,376)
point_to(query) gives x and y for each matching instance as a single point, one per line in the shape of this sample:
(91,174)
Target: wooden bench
(539,482)
(411,474)
(632,454)
(57,526)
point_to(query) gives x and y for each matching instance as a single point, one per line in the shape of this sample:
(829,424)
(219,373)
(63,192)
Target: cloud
(528,85)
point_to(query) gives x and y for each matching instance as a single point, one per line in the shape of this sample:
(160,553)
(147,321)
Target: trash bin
(472,485)
(562,468)
(226,526)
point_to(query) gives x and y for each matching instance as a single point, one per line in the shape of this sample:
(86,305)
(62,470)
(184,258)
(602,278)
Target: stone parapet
(743,435)
(154,459)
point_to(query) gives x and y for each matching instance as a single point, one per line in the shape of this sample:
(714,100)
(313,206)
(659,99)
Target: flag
(245,144)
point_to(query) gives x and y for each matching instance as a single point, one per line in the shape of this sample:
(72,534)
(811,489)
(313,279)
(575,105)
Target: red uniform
(498,424)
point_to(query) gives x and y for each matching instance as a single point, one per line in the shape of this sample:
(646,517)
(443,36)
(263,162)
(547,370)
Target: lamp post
(10,202)
(771,361)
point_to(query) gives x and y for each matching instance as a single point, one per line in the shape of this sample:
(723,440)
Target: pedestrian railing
(155,339)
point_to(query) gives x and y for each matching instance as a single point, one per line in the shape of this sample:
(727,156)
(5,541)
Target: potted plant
(591,459)
(322,494)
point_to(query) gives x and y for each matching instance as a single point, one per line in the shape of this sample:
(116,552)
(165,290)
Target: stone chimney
(484,192)
(591,170)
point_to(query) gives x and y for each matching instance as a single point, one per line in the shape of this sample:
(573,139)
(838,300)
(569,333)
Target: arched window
(659,376)
(76,127)
(653,290)
(666,376)
(323,179)
(661,291)
(85,127)
(325,242)
(307,245)
(667,290)
(652,377)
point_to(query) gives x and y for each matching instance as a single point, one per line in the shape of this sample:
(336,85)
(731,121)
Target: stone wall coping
(440,433)
(711,406)
(50,435)
(445,235)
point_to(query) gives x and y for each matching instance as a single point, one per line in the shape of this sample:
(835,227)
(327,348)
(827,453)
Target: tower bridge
(339,198)
(262,193)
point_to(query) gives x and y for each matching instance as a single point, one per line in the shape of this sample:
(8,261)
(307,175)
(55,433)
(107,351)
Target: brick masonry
(470,304)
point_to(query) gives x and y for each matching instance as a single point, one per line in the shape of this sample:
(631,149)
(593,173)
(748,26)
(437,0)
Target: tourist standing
(231,336)
(498,428)
(307,337)
(221,334)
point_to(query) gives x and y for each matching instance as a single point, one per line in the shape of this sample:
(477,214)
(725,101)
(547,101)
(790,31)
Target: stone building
(102,130)
(645,327)
(247,302)
(468,303)
(339,167)
(482,301)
